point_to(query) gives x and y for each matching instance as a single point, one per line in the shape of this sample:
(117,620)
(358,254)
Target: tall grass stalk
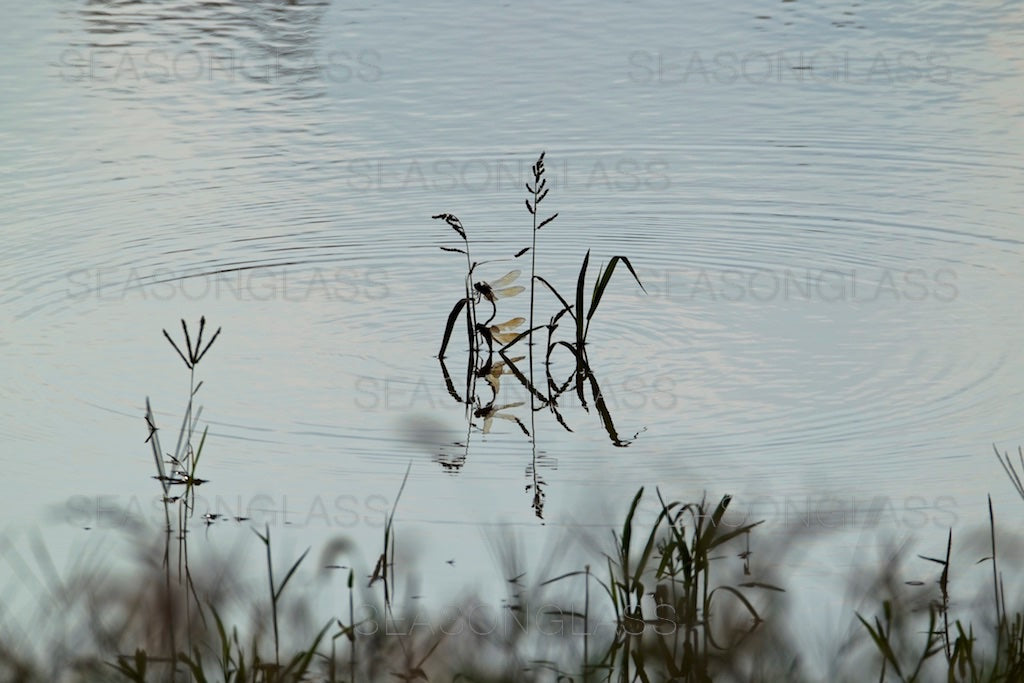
(468,301)
(538,191)
(385,567)
(276,590)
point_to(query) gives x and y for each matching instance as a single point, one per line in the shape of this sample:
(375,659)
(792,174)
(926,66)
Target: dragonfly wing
(507,292)
(508,324)
(505,279)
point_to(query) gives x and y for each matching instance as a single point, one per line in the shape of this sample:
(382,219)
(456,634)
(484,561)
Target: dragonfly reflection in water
(499,368)
(491,411)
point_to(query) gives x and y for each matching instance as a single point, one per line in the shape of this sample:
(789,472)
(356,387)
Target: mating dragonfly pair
(503,334)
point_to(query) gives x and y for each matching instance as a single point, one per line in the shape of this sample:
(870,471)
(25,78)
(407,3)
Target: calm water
(821,198)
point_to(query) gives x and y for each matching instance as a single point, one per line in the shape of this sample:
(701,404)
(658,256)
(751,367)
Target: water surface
(821,198)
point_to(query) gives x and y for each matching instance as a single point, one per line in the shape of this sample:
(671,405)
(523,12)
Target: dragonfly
(497,370)
(503,332)
(491,411)
(499,289)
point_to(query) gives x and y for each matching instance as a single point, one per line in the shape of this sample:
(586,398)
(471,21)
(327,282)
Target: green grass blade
(518,374)
(580,284)
(606,416)
(562,576)
(519,336)
(297,668)
(762,585)
(450,325)
(711,528)
(288,576)
(154,442)
(199,452)
(882,643)
(603,279)
(719,539)
(448,383)
(627,531)
(645,554)
(565,304)
(599,286)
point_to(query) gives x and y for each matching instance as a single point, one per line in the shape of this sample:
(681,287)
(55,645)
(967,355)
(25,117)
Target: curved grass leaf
(520,376)
(450,325)
(565,304)
(603,277)
(580,284)
(602,410)
(154,442)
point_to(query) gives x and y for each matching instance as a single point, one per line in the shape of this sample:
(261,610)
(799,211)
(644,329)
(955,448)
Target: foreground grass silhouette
(676,598)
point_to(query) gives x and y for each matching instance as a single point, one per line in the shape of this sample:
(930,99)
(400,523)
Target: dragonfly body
(499,289)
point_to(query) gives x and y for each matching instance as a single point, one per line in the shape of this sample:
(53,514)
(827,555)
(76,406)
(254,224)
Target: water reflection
(260,43)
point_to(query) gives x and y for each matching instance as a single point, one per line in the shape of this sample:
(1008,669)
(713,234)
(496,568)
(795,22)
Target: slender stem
(704,601)
(470,340)
(471,319)
(538,502)
(273,599)
(188,416)
(1000,609)
(189,498)
(168,595)
(533,270)
(352,625)
(470,326)
(586,626)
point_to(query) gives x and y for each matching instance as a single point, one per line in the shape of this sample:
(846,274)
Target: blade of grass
(603,278)
(154,441)
(565,304)
(580,284)
(450,325)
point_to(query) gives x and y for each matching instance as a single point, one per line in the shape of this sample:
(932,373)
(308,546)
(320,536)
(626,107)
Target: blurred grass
(679,597)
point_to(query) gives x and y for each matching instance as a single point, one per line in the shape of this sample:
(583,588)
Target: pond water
(821,199)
